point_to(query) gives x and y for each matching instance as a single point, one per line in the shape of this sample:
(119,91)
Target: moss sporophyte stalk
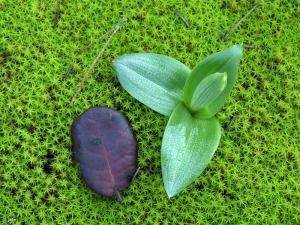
(190,98)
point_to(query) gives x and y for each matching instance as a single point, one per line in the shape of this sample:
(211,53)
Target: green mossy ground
(252,179)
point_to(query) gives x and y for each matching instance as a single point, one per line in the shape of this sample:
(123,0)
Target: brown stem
(95,61)
(95,41)
(68,72)
(118,195)
(182,18)
(250,11)
(57,14)
(231,122)
(136,172)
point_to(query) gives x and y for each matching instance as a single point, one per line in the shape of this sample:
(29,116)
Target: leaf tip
(239,48)
(170,193)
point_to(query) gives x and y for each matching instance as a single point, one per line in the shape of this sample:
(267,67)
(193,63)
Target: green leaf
(224,61)
(155,80)
(207,91)
(188,145)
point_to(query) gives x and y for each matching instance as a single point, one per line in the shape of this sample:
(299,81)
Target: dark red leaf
(105,146)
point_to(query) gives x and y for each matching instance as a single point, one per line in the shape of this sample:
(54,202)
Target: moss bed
(253,177)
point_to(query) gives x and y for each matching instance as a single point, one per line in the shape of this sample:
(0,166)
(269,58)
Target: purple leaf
(105,147)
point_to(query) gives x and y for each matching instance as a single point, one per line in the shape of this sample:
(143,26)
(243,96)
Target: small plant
(191,98)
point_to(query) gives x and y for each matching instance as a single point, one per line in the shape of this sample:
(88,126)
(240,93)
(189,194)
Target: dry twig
(118,195)
(57,13)
(253,47)
(231,122)
(95,41)
(221,32)
(95,61)
(182,18)
(68,72)
(135,174)
(248,13)
(154,171)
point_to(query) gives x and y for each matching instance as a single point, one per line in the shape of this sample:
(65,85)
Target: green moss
(254,175)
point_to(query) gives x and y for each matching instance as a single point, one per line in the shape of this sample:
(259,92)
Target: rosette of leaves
(191,98)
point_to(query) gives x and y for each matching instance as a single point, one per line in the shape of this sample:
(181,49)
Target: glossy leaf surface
(188,145)
(207,91)
(224,61)
(106,148)
(153,79)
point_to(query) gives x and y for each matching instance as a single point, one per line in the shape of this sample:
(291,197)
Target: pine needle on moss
(95,61)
